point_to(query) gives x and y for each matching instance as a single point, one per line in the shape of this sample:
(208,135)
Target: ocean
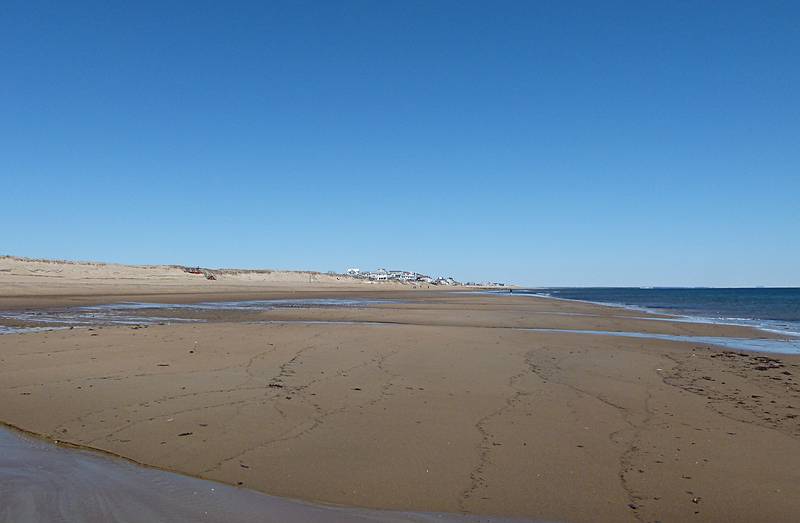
(770,309)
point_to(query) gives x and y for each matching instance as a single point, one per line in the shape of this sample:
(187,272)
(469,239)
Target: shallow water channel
(44,482)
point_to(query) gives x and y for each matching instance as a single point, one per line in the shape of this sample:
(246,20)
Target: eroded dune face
(43,482)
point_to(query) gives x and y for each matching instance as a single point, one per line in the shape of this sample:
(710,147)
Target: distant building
(401,277)
(379,275)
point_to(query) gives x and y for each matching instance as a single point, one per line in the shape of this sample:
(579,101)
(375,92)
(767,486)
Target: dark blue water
(774,309)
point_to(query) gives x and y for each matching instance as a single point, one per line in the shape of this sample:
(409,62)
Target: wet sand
(42,482)
(447,405)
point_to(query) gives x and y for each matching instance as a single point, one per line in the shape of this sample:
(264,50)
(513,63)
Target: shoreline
(688,318)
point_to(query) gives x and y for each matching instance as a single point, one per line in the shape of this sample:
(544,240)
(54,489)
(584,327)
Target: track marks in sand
(754,389)
(300,393)
(635,419)
(130,410)
(477,477)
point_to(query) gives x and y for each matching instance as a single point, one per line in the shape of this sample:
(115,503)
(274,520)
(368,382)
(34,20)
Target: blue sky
(542,143)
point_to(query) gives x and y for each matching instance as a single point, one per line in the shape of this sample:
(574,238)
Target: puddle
(5,329)
(141,313)
(258,305)
(138,313)
(775,346)
(40,481)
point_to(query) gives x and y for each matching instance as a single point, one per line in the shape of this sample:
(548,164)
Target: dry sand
(33,282)
(442,407)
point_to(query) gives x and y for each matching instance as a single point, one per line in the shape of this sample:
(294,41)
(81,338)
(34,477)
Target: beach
(412,399)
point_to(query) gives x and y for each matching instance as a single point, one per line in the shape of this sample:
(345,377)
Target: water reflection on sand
(41,482)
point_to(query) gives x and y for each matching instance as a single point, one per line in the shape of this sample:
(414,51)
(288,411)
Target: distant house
(379,275)
(401,276)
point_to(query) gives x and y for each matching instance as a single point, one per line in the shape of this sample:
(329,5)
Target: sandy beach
(400,262)
(433,401)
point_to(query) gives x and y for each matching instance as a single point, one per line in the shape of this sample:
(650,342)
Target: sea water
(771,309)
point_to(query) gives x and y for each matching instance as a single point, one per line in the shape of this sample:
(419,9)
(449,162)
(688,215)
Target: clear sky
(541,143)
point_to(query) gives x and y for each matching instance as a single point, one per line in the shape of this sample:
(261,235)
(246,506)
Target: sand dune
(30,275)
(26,281)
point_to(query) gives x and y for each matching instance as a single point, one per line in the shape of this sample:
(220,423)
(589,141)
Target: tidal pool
(775,346)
